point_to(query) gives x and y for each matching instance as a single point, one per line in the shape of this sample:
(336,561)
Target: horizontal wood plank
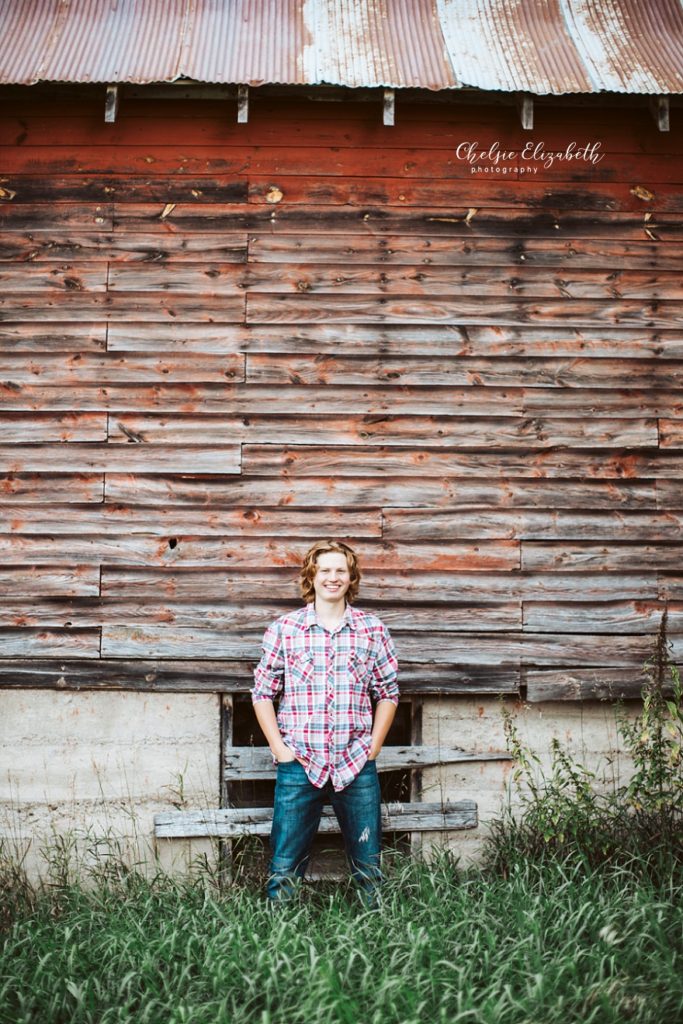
(535,461)
(98,216)
(585,684)
(354,400)
(67,673)
(499,372)
(205,278)
(385,586)
(45,488)
(315,160)
(602,402)
(418,192)
(343,445)
(66,244)
(295,121)
(377,340)
(541,557)
(248,399)
(257,762)
(49,643)
(227,676)
(142,549)
(118,458)
(423,524)
(79,337)
(488,617)
(671,585)
(74,188)
(69,426)
(78,247)
(257,821)
(609,616)
(168,338)
(107,519)
(27,307)
(421,679)
(378,492)
(450,221)
(428,249)
(18,583)
(114,368)
(265,309)
(454,649)
(522,281)
(54,277)
(357,459)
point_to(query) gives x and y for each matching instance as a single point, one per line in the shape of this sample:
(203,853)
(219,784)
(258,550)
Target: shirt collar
(311,619)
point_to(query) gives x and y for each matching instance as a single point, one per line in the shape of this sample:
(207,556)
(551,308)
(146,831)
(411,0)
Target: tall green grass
(551,944)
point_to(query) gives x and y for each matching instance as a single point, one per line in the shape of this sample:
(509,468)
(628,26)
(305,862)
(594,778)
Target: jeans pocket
(288,772)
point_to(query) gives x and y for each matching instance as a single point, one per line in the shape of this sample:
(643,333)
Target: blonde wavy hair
(310,565)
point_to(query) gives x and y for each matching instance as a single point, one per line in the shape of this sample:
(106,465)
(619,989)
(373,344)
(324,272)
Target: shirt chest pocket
(301,666)
(360,668)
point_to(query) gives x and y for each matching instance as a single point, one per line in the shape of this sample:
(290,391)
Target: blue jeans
(298,807)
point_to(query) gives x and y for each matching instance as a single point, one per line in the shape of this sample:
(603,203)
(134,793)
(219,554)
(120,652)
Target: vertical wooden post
(389,107)
(525,106)
(416,773)
(111,104)
(242,104)
(226,740)
(659,106)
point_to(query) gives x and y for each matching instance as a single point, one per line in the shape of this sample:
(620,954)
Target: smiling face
(332,577)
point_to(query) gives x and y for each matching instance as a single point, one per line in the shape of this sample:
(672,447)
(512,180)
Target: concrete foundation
(85,773)
(587,730)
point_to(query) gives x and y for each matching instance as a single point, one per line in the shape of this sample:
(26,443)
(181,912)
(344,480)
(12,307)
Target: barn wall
(219,342)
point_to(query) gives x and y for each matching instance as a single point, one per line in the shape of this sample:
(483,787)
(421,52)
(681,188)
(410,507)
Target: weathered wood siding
(220,342)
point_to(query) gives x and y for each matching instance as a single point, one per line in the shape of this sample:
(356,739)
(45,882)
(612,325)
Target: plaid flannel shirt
(325,680)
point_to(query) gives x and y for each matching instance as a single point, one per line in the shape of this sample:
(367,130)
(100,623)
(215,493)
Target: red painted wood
(239,338)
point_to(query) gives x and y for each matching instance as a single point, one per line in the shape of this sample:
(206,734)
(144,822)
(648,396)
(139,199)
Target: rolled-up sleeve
(385,669)
(270,672)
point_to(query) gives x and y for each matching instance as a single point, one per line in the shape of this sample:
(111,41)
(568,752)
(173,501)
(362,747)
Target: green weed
(569,814)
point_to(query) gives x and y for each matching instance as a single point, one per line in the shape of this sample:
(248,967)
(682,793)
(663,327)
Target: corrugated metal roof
(536,46)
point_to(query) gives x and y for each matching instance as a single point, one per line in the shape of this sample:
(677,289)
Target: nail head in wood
(389,107)
(242,104)
(111,104)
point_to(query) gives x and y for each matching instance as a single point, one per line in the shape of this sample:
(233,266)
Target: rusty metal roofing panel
(629,45)
(561,46)
(526,47)
(392,43)
(251,42)
(537,46)
(91,40)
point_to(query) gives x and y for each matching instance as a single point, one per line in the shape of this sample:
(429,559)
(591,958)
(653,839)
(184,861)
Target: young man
(325,662)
